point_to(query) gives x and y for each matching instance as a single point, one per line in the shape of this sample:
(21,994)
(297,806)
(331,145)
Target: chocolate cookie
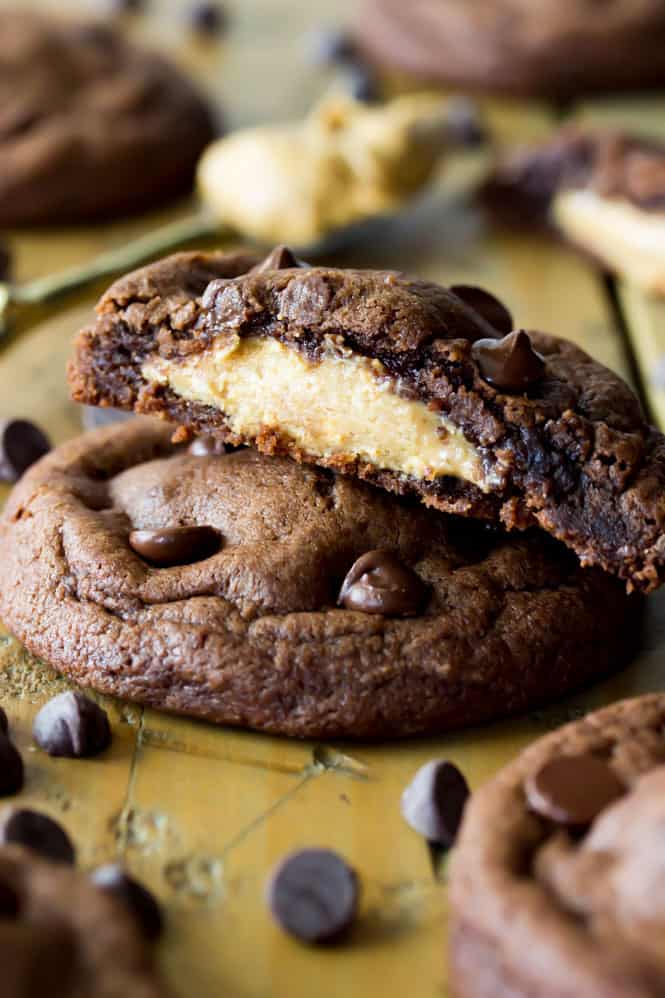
(547,49)
(397,381)
(62,936)
(90,125)
(555,883)
(602,191)
(326,607)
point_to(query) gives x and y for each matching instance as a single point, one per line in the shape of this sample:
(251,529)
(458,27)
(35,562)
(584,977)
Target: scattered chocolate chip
(572,789)
(93,417)
(4,723)
(23,827)
(209,18)
(464,123)
(433,802)
(5,263)
(362,84)
(72,725)
(175,545)
(486,305)
(313,895)
(510,363)
(207,446)
(21,444)
(135,896)
(378,582)
(9,902)
(330,46)
(11,767)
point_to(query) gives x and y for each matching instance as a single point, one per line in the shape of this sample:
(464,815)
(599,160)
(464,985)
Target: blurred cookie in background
(546,49)
(90,125)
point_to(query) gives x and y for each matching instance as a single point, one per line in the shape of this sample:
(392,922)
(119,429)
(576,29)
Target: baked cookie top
(260,592)
(405,383)
(547,49)
(90,125)
(559,864)
(61,935)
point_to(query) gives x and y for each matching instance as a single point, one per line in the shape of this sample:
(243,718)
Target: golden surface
(203,814)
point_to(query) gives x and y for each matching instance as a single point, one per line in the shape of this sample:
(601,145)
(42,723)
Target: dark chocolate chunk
(362,83)
(21,444)
(175,545)
(433,802)
(5,263)
(135,896)
(464,123)
(378,582)
(23,827)
(209,18)
(4,723)
(281,258)
(511,363)
(572,789)
(9,901)
(486,305)
(11,767)
(330,46)
(313,894)
(207,446)
(72,725)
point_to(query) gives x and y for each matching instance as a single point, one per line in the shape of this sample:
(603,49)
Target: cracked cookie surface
(90,125)
(253,635)
(209,340)
(539,909)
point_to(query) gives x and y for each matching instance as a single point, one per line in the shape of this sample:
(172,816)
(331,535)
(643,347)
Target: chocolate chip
(135,896)
(21,444)
(207,446)
(378,582)
(11,767)
(486,305)
(9,902)
(4,723)
(572,789)
(329,46)
(362,84)
(72,725)
(209,18)
(175,545)
(281,258)
(464,123)
(313,894)
(23,827)
(433,802)
(5,263)
(510,363)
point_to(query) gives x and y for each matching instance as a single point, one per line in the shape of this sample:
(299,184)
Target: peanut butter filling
(341,405)
(629,239)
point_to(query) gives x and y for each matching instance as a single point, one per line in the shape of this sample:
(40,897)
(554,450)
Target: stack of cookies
(376,506)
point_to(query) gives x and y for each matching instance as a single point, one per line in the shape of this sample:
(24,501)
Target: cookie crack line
(521,428)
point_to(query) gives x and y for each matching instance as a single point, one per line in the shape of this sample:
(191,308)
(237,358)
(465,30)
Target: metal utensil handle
(113,261)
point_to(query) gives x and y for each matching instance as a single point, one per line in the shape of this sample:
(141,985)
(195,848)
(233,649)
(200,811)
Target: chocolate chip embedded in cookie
(547,49)
(398,381)
(443,622)
(554,884)
(90,125)
(603,191)
(60,935)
